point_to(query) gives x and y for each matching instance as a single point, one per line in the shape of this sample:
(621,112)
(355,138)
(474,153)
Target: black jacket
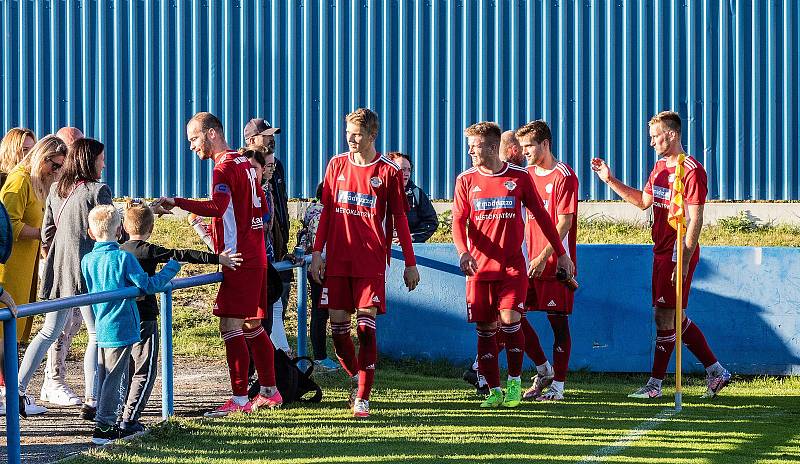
(422,218)
(280,229)
(149,256)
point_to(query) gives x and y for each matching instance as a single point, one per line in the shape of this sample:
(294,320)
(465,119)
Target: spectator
(24,195)
(259,132)
(65,237)
(54,388)
(14,146)
(422,218)
(510,149)
(6,245)
(319,316)
(106,268)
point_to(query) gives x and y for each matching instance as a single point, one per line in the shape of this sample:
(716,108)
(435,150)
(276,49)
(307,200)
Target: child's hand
(231,260)
(9,302)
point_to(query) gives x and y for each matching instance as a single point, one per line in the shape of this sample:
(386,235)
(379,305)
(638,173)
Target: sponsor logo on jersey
(257,223)
(662,193)
(661,300)
(510,185)
(548,188)
(486,204)
(356,199)
(375,299)
(375,182)
(222,188)
(551,304)
(477,188)
(340,178)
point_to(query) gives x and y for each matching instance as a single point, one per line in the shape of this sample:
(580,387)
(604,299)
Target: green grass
(423,419)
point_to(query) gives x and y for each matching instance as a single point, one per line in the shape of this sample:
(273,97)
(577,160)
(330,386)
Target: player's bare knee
(251,324)
(339,315)
(510,316)
(226,324)
(665,318)
(371,311)
(486,325)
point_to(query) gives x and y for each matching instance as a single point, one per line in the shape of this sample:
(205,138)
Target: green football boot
(494,400)
(513,393)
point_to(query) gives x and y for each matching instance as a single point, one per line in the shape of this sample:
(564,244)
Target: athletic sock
(533,348)
(238,360)
(562,345)
(694,339)
(268,391)
(475,364)
(715,369)
(655,382)
(367,354)
(515,377)
(343,344)
(545,369)
(263,355)
(240,400)
(487,357)
(558,386)
(515,343)
(500,339)
(665,345)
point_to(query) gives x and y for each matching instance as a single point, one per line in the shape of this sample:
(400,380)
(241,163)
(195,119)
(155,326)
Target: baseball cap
(258,126)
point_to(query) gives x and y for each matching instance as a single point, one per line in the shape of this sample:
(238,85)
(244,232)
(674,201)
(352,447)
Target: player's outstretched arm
(635,197)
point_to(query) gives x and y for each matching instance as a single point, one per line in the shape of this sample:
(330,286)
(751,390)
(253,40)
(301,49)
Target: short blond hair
(104,222)
(365,118)
(139,219)
(488,129)
(670,119)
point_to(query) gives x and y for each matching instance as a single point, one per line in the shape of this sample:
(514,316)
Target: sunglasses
(55,165)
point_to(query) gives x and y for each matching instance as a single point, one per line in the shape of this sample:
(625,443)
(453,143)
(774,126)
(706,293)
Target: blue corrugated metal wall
(132,72)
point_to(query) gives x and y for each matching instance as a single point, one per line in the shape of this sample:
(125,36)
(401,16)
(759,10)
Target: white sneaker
(60,394)
(31,408)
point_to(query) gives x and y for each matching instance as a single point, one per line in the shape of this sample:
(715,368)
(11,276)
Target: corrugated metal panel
(132,72)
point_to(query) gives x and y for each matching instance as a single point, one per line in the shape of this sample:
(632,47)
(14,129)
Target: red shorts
(663,290)
(242,293)
(486,298)
(549,295)
(351,293)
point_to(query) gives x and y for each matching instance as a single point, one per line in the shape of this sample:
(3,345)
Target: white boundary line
(633,435)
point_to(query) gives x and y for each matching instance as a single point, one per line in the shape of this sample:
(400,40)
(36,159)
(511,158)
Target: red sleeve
(216,206)
(567,202)
(461,212)
(695,187)
(648,187)
(398,205)
(533,202)
(325,216)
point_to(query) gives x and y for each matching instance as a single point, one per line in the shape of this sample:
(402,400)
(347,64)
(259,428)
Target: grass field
(424,413)
(426,419)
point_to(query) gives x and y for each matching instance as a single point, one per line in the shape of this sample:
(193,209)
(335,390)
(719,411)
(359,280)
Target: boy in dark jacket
(138,223)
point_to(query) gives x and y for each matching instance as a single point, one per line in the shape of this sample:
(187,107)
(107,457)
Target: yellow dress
(19,274)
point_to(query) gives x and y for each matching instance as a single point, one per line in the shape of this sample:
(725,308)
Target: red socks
(238,360)
(487,357)
(694,339)
(263,355)
(367,354)
(533,348)
(515,341)
(562,345)
(343,344)
(665,345)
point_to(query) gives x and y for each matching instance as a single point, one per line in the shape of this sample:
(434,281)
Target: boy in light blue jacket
(107,267)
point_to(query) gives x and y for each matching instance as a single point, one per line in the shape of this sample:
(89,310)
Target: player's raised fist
(601,169)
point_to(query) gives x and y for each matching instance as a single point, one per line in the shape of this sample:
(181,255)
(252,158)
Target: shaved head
(69,134)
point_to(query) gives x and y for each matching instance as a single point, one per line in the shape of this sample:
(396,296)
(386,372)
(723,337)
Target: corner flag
(677,219)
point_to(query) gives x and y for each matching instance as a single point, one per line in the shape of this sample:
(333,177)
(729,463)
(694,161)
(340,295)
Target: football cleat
(267,402)
(540,383)
(513,394)
(646,392)
(230,407)
(717,383)
(494,400)
(551,395)
(360,408)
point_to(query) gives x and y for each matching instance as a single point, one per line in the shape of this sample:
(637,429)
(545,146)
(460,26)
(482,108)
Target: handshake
(162,206)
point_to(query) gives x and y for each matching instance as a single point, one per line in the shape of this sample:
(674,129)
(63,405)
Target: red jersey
(659,185)
(559,192)
(488,220)
(236,208)
(356,200)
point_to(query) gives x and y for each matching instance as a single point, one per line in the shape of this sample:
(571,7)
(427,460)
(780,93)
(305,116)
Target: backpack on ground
(293,382)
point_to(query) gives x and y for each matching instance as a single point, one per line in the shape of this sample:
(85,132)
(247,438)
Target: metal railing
(10,360)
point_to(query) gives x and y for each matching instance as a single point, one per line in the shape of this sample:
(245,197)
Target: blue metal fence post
(167,394)
(11,370)
(302,308)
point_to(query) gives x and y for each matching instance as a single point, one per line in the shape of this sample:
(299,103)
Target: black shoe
(22,412)
(88,412)
(471,377)
(483,390)
(105,434)
(131,429)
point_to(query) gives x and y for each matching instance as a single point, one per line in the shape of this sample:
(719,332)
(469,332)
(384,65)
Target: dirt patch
(199,386)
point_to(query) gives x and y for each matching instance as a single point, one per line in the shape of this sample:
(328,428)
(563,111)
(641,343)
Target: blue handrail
(10,360)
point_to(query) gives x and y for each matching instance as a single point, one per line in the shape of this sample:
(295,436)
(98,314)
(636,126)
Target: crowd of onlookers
(69,239)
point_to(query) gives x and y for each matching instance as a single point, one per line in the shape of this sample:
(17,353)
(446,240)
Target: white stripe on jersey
(390,162)
(562,168)
(229,228)
(690,164)
(468,171)
(518,168)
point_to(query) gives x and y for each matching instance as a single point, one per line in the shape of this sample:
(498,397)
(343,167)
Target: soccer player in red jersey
(361,190)
(665,138)
(557,185)
(488,229)
(236,208)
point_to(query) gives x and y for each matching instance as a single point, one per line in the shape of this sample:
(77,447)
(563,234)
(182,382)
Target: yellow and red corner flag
(677,219)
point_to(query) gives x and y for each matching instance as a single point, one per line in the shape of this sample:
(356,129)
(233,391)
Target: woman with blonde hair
(24,195)
(15,145)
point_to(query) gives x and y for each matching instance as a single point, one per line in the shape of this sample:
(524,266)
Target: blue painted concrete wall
(746,300)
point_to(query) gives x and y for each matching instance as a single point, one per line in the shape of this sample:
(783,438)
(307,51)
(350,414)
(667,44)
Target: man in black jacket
(422,218)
